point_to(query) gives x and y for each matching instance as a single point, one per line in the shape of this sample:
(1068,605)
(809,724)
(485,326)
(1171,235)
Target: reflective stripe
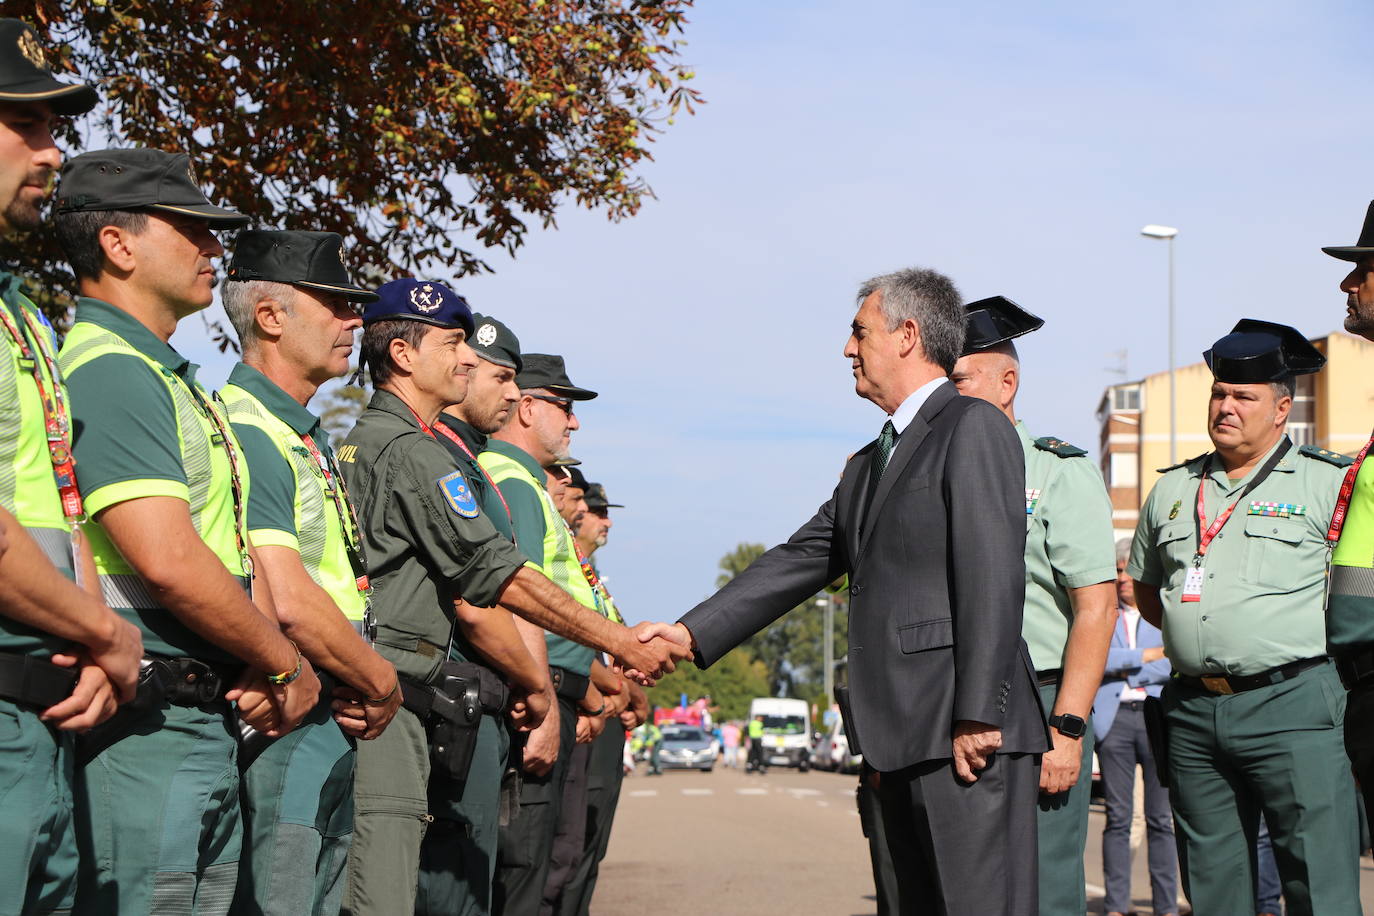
(129,591)
(1352,580)
(56,546)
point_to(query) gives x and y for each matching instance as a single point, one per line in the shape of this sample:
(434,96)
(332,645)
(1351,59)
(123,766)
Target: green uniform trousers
(391,813)
(158,815)
(605,774)
(458,856)
(37,838)
(1276,750)
(1062,832)
(298,818)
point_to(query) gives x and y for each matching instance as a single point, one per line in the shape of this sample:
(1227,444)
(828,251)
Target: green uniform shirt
(466,459)
(427,541)
(142,429)
(27,488)
(1350,606)
(1264,573)
(1068,541)
(293,503)
(534,519)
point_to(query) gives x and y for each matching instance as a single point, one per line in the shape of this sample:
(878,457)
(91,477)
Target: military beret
(138,179)
(309,259)
(496,343)
(543,370)
(1262,351)
(25,76)
(596,498)
(996,320)
(419,300)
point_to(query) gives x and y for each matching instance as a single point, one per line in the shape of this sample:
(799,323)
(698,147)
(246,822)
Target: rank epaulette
(1184,463)
(1059,447)
(1330,457)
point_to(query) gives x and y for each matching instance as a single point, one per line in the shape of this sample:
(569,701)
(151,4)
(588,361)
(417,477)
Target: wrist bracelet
(287,677)
(378,701)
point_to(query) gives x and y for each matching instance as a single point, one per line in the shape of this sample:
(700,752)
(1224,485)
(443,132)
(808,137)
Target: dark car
(686,747)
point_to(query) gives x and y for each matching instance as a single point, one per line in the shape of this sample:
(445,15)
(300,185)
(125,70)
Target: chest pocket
(1272,551)
(1175,547)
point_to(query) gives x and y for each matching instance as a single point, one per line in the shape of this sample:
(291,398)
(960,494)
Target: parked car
(686,747)
(831,750)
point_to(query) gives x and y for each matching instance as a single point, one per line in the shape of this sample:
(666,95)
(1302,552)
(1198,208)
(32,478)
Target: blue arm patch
(459,495)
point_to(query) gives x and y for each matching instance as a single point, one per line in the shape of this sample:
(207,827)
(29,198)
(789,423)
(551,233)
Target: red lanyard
(597,585)
(458,440)
(56,416)
(1204,539)
(1333,532)
(424,427)
(338,495)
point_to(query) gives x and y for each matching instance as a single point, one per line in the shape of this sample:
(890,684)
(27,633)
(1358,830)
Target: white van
(786,730)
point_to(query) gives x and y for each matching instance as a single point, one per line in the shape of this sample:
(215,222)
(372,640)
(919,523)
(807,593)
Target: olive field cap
(576,478)
(568,462)
(543,370)
(596,499)
(25,77)
(1362,248)
(419,300)
(996,320)
(308,259)
(138,179)
(495,342)
(1262,351)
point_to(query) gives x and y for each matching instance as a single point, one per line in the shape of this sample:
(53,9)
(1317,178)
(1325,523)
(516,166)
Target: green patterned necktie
(882,451)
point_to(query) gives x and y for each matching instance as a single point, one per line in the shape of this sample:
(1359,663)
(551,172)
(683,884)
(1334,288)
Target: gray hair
(241,298)
(1123,550)
(932,301)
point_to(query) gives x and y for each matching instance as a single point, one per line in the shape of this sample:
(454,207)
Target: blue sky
(1017,147)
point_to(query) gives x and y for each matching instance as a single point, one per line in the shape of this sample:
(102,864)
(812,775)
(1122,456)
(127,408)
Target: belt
(1049,677)
(1131,704)
(464,692)
(569,685)
(1356,668)
(186,681)
(1222,684)
(34,682)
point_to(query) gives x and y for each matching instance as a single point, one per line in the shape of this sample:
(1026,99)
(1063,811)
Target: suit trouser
(605,775)
(1123,747)
(297,799)
(1275,750)
(570,838)
(522,859)
(1062,826)
(158,815)
(38,864)
(458,854)
(871,822)
(963,849)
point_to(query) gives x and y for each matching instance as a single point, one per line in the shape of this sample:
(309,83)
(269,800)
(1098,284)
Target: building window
(1127,397)
(1123,470)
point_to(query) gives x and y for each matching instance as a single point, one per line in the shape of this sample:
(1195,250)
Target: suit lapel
(853,485)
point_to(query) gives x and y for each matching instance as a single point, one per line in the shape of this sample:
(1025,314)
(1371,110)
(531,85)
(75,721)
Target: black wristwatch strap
(1069,725)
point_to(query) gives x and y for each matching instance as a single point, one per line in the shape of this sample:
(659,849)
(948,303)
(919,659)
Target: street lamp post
(828,645)
(1168,233)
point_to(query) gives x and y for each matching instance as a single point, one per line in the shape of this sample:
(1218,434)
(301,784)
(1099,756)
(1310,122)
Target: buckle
(1217,684)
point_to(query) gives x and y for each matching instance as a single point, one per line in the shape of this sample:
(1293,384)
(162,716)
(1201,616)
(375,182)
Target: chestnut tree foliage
(421,130)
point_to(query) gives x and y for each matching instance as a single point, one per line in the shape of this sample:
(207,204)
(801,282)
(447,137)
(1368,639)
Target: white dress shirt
(901,418)
(1131,617)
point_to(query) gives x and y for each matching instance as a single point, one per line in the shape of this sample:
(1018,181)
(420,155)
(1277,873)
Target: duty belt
(569,685)
(1049,677)
(34,682)
(464,692)
(1222,684)
(183,681)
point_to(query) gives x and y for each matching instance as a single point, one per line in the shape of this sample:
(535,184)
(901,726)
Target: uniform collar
(1024,433)
(520,456)
(121,323)
(474,440)
(270,395)
(387,402)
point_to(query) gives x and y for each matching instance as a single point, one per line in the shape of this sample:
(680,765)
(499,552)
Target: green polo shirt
(1069,543)
(1264,573)
(526,516)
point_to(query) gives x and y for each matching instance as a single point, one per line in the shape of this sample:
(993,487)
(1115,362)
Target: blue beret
(420,300)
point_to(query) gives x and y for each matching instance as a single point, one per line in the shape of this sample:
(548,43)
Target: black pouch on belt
(1157,733)
(452,710)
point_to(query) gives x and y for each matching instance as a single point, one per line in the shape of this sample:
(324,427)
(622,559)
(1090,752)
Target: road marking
(751,791)
(823,804)
(698,792)
(643,793)
(803,793)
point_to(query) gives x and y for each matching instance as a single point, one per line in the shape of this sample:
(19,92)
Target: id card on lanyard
(1192,581)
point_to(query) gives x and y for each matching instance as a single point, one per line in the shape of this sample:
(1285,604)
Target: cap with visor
(25,76)
(307,259)
(138,179)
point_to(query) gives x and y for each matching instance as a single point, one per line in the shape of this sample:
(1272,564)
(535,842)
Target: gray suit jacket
(937,583)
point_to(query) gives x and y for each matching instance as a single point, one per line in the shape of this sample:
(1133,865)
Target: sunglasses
(563,404)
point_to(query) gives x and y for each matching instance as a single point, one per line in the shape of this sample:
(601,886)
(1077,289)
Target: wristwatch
(1069,725)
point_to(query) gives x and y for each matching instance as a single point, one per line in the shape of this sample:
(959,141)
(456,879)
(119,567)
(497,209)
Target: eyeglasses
(563,404)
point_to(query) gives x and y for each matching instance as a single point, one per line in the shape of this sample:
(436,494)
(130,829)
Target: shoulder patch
(1184,463)
(1059,447)
(458,494)
(1330,457)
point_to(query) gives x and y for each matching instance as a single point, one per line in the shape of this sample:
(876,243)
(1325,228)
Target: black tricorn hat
(25,76)
(1262,351)
(1361,249)
(996,320)
(309,259)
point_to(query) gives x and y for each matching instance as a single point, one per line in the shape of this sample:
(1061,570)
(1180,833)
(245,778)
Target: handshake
(652,650)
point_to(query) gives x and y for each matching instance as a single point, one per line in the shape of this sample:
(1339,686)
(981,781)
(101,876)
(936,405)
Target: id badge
(1192,584)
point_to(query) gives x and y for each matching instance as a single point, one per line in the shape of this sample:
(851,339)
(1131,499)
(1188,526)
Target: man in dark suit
(929,523)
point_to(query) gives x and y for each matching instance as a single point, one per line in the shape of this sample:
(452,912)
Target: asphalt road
(727,844)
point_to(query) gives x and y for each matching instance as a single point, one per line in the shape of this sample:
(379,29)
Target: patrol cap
(495,342)
(1262,351)
(576,478)
(138,179)
(996,320)
(596,499)
(419,300)
(1362,248)
(569,462)
(543,370)
(309,259)
(25,77)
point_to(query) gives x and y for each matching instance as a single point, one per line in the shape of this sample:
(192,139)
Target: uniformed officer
(47,623)
(433,555)
(161,475)
(293,306)
(535,435)
(1230,554)
(1070,596)
(1350,605)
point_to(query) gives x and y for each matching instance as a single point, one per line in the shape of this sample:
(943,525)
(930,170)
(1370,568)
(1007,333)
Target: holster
(1157,733)
(569,685)
(452,710)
